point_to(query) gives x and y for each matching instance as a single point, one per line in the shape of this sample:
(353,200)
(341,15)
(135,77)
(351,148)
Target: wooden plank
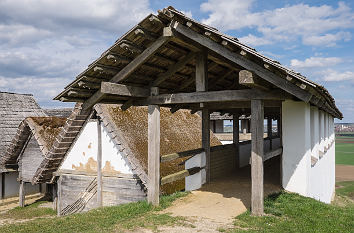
(250,79)
(154,151)
(273,153)
(173,156)
(99,163)
(211,96)
(59,194)
(179,175)
(242,61)
(129,69)
(257,129)
(21,194)
(201,72)
(123,90)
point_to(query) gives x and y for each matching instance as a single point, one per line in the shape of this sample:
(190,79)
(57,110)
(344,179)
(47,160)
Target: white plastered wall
(83,154)
(195,181)
(302,129)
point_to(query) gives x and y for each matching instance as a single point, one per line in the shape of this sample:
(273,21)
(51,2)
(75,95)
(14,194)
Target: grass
(107,219)
(345,188)
(293,213)
(344,151)
(28,212)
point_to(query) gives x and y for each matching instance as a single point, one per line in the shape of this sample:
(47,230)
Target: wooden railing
(184,173)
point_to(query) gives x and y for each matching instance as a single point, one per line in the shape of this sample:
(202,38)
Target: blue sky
(45,44)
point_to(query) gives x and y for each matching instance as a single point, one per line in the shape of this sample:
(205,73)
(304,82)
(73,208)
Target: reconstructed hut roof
(14,108)
(58,112)
(172,66)
(219,116)
(180,131)
(44,129)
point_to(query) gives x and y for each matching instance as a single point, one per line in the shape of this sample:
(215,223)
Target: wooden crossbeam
(242,61)
(179,175)
(130,67)
(173,156)
(272,153)
(211,96)
(123,90)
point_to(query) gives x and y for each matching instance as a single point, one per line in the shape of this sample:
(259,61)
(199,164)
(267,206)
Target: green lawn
(344,151)
(293,213)
(107,219)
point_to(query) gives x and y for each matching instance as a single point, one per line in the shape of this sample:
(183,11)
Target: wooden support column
(99,163)
(21,194)
(60,198)
(54,195)
(201,81)
(236,136)
(3,185)
(154,151)
(257,130)
(269,132)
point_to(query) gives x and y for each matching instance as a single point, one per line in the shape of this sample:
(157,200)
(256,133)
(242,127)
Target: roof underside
(222,73)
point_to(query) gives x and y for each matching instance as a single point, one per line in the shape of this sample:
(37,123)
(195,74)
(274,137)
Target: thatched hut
(124,157)
(14,108)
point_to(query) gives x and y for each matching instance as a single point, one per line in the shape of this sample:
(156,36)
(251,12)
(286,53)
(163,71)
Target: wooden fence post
(154,151)
(257,131)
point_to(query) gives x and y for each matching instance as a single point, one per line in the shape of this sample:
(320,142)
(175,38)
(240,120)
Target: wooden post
(257,130)
(59,201)
(269,132)
(154,151)
(22,194)
(99,162)
(201,81)
(236,136)
(206,140)
(3,185)
(54,196)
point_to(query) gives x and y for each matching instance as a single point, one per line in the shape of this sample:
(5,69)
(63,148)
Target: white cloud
(335,76)
(314,25)
(45,44)
(254,40)
(315,62)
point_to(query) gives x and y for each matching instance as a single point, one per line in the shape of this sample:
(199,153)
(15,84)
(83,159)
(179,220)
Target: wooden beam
(130,68)
(250,79)
(173,69)
(123,90)
(154,151)
(99,163)
(257,129)
(21,194)
(273,153)
(179,175)
(212,96)
(173,156)
(201,72)
(242,61)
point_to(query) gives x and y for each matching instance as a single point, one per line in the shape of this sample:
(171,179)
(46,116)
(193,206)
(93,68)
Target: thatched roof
(58,112)
(180,131)
(44,130)
(223,64)
(14,108)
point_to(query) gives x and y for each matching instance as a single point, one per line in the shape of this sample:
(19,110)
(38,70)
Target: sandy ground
(12,202)
(218,203)
(344,173)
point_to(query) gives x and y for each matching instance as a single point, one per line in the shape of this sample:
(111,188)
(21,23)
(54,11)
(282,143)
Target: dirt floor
(223,199)
(344,173)
(12,202)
